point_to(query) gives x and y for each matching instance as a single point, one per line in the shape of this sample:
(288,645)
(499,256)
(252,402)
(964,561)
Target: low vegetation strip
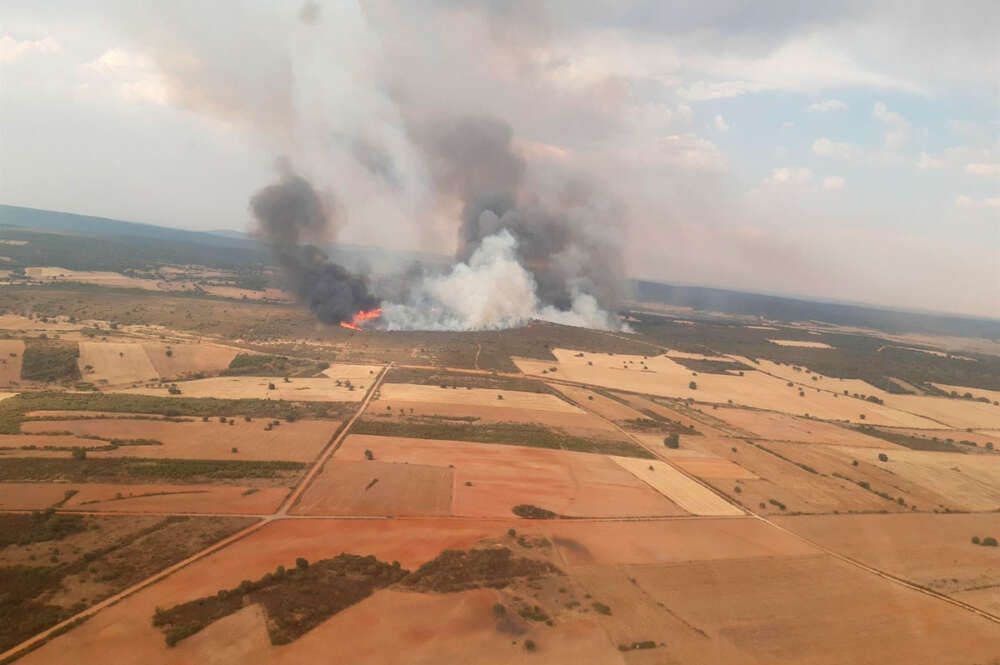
(706,366)
(433,377)
(515,434)
(140,470)
(34,597)
(911,441)
(298,599)
(36,527)
(14,410)
(255,364)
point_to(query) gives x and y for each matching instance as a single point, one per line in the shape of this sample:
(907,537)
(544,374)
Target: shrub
(529,645)
(975,540)
(990,541)
(499,610)
(369,455)
(672,440)
(301,563)
(693,385)
(601,608)
(882,457)
(511,532)
(79,453)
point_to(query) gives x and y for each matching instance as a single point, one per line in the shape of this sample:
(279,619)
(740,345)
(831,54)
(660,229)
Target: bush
(369,455)
(672,440)
(693,385)
(529,645)
(990,541)
(975,540)
(301,563)
(499,610)
(601,608)
(79,453)
(882,457)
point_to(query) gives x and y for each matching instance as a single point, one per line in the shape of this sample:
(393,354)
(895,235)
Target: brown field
(501,477)
(256,387)
(188,359)
(967,482)
(800,343)
(801,490)
(650,405)
(17,441)
(947,412)
(934,551)
(677,487)
(666,378)
(810,379)
(11,354)
(103,497)
(709,467)
(358,374)
(378,488)
(299,441)
(782,427)
(604,407)
(409,392)
(690,445)
(815,610)
(671,541)
(16,322)
(115,363)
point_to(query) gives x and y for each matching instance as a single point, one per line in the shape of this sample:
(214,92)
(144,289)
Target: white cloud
(991,170)
(824,147)
(720,123)
(897,128)
(833,182)
(133,77)
(700,91)
(790,175)
(828,105)
(963,201)
(12,49)
(689,152)
(925,161)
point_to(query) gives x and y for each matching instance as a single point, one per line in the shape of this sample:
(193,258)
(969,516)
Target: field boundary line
(332,446)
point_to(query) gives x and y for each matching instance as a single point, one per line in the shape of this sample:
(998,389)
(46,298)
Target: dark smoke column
(290,212)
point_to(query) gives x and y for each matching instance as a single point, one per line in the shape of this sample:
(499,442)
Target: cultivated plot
(255,387)
(491,479)
(11,355)
(115,363)
(235,439)
(688,494)
(378,488)
(776,426)
(149,498)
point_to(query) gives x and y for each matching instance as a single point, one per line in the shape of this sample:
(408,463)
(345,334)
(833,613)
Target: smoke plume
(289,213)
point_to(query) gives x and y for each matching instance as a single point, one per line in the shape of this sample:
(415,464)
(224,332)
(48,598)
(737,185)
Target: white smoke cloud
(489,292)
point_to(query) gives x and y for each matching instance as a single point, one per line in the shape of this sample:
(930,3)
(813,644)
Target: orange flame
(361,317)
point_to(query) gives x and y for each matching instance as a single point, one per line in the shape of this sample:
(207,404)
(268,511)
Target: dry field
(816,610)
(153,498)
(783,486)
(490,479)
(934,551)
(391,393)
(187,359)
(115,363)
(604,407)
(299,441)
(690,445)
(712,467)
(11,355)
(980,438)
(782,427)
(967,482)
(378,488)
(800,343)
(811,379)
(358,374)
(947,412)
(677,487)
(256,387)
(17,323)
(665,378)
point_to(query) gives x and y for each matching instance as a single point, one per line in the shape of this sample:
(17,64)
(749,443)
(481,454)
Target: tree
(882,457)
(369,455)
(990,541)
(79,453)
(975,540)
(301,563)
(693,385)
(270,386)
(672,440)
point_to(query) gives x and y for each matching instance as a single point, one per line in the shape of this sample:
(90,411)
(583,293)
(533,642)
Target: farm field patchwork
(378,488)
(237,439)
(115,363)
(148,498)
(255,387)
(406,392)
(776,426)
(672,484)
(490,480)
(659,375)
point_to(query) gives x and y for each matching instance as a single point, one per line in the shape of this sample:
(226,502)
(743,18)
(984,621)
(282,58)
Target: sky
(842,150)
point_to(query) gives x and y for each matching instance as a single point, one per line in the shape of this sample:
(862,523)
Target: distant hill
(779,308)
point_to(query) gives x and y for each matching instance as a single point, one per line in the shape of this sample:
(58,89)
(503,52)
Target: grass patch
(255,364)
(50,361)
(134,469)
(711,366)
(515,434)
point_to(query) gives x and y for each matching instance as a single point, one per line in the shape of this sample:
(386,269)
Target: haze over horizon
(836,150)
